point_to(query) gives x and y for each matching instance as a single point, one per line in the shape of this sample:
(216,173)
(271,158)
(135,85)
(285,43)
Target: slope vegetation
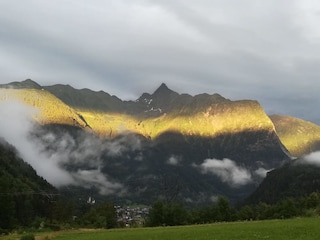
(23,194)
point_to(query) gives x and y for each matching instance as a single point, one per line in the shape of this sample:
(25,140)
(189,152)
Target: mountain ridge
(28,83)
(91,108)
(85,98)
(180,135)
(150,111)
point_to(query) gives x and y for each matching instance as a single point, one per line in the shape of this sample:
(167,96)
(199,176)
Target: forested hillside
(23,194)
(293,180)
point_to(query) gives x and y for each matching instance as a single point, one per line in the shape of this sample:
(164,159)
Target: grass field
(300,228)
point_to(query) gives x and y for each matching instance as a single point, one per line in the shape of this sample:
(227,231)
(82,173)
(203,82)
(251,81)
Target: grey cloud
(94,178)
(124,143)
(85,154)
(263,50)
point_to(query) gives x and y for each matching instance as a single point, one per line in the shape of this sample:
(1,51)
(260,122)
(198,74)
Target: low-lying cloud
(51,154)
(15,123)
(228,171)
(311,159)
(174,160)
(262,172)
(89,178)
(82,158)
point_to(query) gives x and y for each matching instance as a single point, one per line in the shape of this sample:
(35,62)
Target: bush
(27,237)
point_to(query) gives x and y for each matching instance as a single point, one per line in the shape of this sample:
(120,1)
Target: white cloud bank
(311,159)
(228,171)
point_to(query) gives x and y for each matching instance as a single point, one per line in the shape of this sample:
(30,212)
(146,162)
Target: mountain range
(162,145)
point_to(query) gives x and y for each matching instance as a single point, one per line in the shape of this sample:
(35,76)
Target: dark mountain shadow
(170,166)
(156,171)
(247,147)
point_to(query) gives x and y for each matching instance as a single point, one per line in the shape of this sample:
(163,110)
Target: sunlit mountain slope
(48,108)
(299,136)
(151,115)
(228,117)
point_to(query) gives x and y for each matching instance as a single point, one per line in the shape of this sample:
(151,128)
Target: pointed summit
(163,90)
(163,86)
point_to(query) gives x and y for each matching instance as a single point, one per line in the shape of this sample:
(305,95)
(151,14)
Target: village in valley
(131,216)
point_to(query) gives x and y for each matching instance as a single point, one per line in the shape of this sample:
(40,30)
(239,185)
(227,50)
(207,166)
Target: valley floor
(298,228)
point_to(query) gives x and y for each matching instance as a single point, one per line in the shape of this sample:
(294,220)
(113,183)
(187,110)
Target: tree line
(42,212)
(39,212)
(171,214)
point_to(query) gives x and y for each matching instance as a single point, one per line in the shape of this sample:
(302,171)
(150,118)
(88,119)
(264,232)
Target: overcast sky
(267,50)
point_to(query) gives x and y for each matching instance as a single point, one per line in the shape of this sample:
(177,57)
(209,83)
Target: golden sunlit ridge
(298,136)
(218,118)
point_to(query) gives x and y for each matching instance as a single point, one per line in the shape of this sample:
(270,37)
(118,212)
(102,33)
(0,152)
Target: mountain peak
(163,86)
(28,83)
(163,90)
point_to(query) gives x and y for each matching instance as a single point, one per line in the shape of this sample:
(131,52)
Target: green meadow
(299,228)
